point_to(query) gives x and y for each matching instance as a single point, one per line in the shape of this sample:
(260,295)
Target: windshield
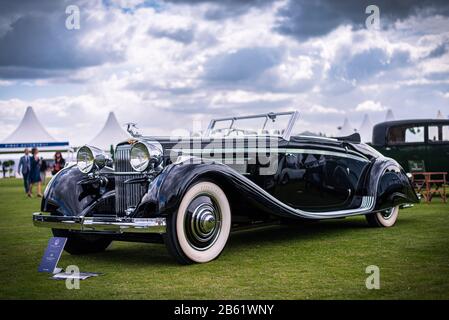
(273,124)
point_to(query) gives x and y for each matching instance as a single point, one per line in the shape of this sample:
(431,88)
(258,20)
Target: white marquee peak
(30,130)
(366,129)
(111,134)
(389,116)
(346,128)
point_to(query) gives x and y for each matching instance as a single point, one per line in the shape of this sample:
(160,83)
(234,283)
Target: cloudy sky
(175,64)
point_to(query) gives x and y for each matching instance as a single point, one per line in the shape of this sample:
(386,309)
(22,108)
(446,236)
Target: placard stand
(52,255)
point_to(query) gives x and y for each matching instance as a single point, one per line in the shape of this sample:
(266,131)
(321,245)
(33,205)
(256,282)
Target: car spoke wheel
(386,218)
(199,230)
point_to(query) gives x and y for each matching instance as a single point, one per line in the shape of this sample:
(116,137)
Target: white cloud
(5,83)
(318,109)
(160,82)
(370,106)
(241,96)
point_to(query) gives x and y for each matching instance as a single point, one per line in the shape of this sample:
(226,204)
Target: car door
(437,155)
(406,144)
(317,180)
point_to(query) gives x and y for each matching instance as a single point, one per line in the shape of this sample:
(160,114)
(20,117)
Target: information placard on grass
(52,255)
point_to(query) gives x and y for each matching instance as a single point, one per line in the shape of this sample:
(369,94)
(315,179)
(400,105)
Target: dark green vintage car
(418,145)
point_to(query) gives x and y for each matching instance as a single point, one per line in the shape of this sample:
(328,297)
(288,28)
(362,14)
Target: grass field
(326,260)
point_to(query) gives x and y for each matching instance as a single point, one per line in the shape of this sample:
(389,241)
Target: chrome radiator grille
(126,195)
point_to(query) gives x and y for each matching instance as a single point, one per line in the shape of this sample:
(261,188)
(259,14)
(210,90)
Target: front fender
(64,196)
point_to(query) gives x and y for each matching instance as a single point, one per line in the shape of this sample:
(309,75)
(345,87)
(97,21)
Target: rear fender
(389,182)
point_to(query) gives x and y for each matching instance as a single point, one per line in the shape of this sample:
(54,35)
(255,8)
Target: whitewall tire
(199,230)
(383,219)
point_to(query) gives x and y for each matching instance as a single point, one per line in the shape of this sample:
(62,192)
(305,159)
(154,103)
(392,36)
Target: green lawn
(325,260)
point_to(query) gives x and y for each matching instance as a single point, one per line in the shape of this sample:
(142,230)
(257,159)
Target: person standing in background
(25,170)
(4,166)
(35,173)
(43,170)
(59,163)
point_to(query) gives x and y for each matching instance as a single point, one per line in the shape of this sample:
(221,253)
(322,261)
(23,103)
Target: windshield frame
(294,115)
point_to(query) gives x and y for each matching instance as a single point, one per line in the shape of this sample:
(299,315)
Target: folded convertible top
(355,138)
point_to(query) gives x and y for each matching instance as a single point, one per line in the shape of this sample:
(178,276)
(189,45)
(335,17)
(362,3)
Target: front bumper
(100,224)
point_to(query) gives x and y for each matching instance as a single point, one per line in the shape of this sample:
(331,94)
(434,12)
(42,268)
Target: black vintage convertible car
(190,192)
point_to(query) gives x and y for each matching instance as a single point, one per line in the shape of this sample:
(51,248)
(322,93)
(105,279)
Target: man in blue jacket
(25,169)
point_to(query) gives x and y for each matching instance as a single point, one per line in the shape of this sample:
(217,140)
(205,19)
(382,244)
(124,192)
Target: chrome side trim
(367,206)
(97,224)
(207,151)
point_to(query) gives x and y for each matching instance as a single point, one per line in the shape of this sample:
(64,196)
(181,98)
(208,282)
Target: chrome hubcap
(207,223)
(387,213)
(202,222)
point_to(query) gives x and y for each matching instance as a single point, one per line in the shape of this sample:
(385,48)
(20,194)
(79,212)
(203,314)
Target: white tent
(346,129)
(31,133)
(366,129)
(111,134)
(440,115)
(389,116)
(30,129)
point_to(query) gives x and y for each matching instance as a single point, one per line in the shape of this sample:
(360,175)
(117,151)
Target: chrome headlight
(145,155)
(88,158)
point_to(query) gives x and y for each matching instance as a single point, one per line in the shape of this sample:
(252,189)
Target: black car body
(199,188)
